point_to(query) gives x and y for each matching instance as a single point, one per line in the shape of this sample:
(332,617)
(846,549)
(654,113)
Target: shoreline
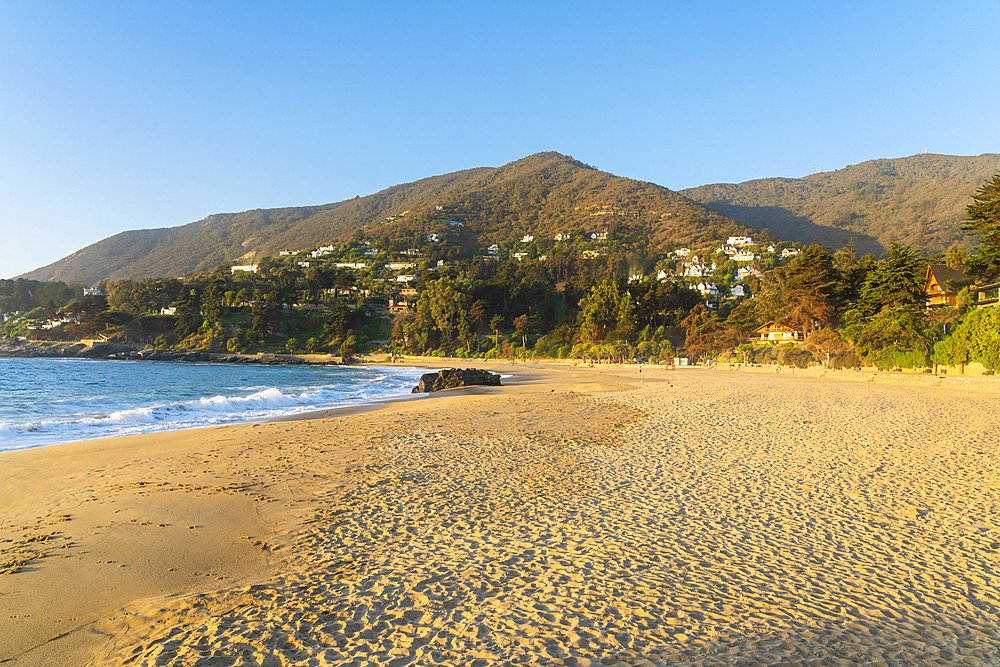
(577,515)
(338,410)
(229,502)
(523,369)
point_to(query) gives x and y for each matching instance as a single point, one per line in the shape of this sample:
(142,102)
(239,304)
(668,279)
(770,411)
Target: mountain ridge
(919,200)
(542,193)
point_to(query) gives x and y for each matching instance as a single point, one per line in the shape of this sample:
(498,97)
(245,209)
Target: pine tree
(983,220)
(897,280)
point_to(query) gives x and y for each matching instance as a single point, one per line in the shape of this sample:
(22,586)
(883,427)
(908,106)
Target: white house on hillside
(740,240)
(747,271)
(322,250)
(695,271)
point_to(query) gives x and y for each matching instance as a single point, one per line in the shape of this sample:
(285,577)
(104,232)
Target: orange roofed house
(942,284)
(775,331)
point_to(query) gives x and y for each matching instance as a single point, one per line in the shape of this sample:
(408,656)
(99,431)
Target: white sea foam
(47,405)
(133,416)
(270,397)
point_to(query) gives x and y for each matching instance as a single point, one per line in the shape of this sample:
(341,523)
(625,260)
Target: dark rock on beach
(456,377)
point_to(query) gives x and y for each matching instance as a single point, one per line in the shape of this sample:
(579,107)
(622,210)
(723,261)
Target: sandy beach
(578,516)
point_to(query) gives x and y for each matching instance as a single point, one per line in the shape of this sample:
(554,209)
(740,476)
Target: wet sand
(579,516)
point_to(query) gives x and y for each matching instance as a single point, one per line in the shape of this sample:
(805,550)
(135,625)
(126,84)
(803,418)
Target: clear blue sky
(131,115)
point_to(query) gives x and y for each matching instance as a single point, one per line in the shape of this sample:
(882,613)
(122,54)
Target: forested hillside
(542,194)
(917,200)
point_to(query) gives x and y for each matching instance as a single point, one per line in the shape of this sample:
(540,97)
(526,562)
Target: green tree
(495,324)
(348,346)
(599,309)
(523,325)
(444,302)
(956,258)
(703,330)
(976,338)
(804,293)
(896,281)
(477,313)
(266,316)
(188,316)
(896,336)
(465,329)
(403,334)
(983,220)
(213,299)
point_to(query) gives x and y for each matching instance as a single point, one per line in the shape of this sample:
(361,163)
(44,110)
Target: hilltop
(544,194)
(919,199)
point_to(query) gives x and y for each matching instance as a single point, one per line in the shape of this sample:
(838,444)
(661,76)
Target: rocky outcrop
(18,347)
(456,377)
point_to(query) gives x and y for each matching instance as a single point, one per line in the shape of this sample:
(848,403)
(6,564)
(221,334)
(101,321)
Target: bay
(46,401)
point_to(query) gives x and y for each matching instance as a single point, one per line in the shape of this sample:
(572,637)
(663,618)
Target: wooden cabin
(942,284)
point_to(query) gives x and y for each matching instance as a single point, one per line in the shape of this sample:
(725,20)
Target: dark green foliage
(895,337)
(21,295)
(87,309)
(977,338)
(846,359)
(266,312)
(888,324)
(599,311)
(803,294)
(149,295)
(983,220)
(792,355)
(188,315)
(898,280)
(703,331)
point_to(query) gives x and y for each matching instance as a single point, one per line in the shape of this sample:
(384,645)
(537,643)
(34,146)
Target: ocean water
(52,401)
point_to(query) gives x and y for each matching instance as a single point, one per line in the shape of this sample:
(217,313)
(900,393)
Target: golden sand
(579,516)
